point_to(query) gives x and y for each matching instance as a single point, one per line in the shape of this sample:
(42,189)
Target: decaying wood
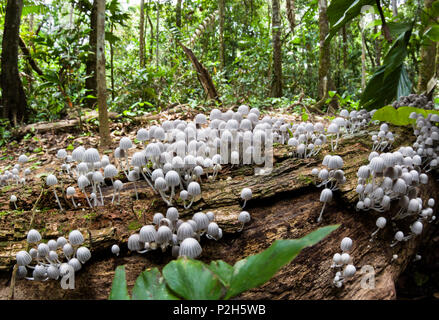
(285,204)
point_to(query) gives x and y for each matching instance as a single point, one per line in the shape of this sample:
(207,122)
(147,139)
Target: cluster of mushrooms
(330,178)
(17,176)
(343,261)
(43,261)
(414,100)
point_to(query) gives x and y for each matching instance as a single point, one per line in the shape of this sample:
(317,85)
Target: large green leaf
(258,269)
(150,285)
(119,290)
(223,270)
(400,116)
(390,81)
(191,279)
(432,33)
(341,12)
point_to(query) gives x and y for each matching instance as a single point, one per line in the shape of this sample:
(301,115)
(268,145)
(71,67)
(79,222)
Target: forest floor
(286,209)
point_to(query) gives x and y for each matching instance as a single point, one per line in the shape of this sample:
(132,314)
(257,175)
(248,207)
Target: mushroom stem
(88,200)
(73,201)
(100,192)
(135,189)
(15,205)
(243,205)
(57,200)
(321,212)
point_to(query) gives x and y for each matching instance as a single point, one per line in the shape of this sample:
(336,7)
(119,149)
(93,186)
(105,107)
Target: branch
(29,58)
(384,25)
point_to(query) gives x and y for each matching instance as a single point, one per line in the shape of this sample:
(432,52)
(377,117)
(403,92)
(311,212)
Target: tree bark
(178,14)
(427,64)
(104,131)
(394,8)
(324,54)
(363,61)
(276,81)
(157,34)
(141,34)
(90,82)
(221,8)
(291,13)
(345,47)
(13,96)
(285,205)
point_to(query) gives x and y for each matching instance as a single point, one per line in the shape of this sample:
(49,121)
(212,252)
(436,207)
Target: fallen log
(285,204)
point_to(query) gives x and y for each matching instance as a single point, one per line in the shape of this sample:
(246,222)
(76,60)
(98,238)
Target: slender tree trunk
(394,8)
(345,47)
(276,82)
(363,61)
(151,32)
(221,7)
(141,34)
(90,82)
(428,56)
(104,131)
(178,14)
(13,96)
(291,14)
(112,65)
(377,47)
(324,56)
(157,34)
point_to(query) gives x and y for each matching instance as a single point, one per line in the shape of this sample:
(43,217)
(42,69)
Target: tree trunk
(202,74)
(157,34)
(112,66)
(324,56)
(141,34)
(394,8)
(276,81)
(345,47)
(104,131)
(13,96)
(90,82)
(285,205)
(377,46)
(291,14)
(363,61)
(178,14)
(151,32)
(428,57)
(221,7)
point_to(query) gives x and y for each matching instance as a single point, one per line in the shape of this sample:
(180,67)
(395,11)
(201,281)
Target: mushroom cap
(61,241)
(39,272)
(244,217)
(83,254)
(33,236)
(416,227)
(185,230)
(91,155)
(22,159)
(172,214)
(142,135)
(147,234)
(349,271)
(164,235)
(43,250)
(23,258)
(117,185)
(172,178)
(190,248)
(210,215)
(336,258)
(184,195)
(157,217)
(76,238)
(194,188)
(202,220)
(21,272)
(13,198)
(70,191)
(53,245)
(125,143)
(213,229)
(134,243)
(399,236)
(83,182)
(78,154)
(51,180)
(138,159)
(61,154)
(53,272)
(67,249)
(246,194)
(115,249)
(75,264)
(345,257)
(110,171)
(346,244)
(160,184)
(326,195)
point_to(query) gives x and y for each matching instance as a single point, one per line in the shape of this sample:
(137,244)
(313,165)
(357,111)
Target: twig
(14,272)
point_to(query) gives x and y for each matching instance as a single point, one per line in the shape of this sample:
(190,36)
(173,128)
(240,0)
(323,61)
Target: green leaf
(341,12)
(400,116)
(119,290)
(223,270)
(257,269)
(150,285)
(192,279)
(390,81)
(433,33)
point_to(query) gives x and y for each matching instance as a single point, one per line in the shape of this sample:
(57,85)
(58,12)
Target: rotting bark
(284,205)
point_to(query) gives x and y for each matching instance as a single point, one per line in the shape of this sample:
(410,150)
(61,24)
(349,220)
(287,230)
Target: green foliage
(192,279)
(119,289)
(400,116)
(341,12)
(390,81)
